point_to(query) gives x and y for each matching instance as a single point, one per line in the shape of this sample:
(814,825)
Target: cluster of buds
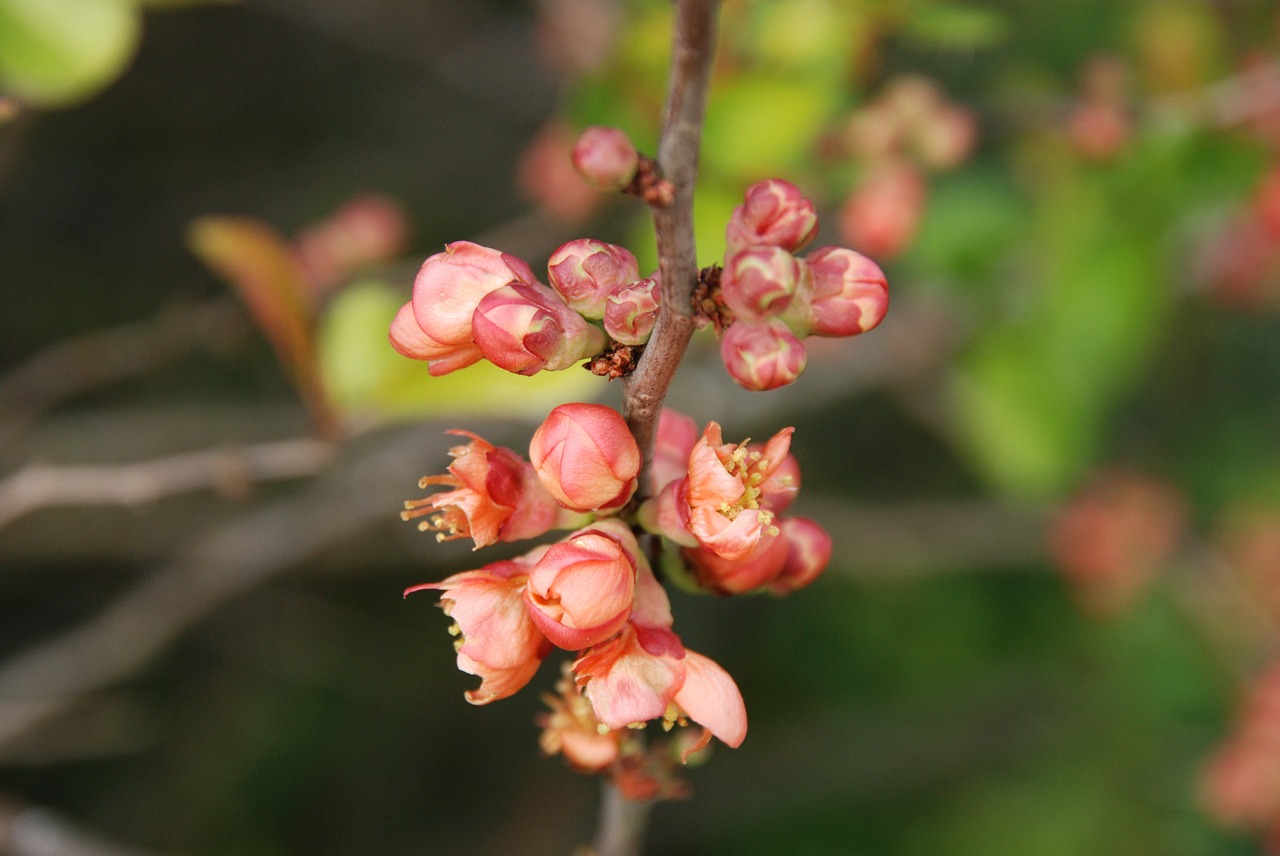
(717,507)
(471,302)
(769,299)
(910,128)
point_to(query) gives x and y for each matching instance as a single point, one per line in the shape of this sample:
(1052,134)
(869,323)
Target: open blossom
(497,639)
(586,271)
(586,457)
(572,730)
(773,212)
(526,328)
(495,496)
(581,590)
(645,673)
(721,504)
(446,291)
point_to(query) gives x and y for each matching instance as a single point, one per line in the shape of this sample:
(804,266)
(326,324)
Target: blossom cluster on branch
(702,513)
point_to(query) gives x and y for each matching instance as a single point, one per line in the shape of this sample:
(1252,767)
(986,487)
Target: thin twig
(622,822)
(95,359)
(232,470)
(692,54)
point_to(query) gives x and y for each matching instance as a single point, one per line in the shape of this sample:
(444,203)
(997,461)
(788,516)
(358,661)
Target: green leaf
(366,376)
(55,52)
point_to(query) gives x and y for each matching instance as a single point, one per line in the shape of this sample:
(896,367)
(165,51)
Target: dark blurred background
(210,655)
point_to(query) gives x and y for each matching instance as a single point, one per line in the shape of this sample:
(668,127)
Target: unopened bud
(525,328)
(762,355)
(758,282)
(606,157)
(586,271)
(632,311)
(773,212)
(585,455)
(848,296)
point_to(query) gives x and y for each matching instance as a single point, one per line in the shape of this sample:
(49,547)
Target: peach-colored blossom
(581,590)
(496,496)
(586,457)
(497,639)
(676,436)
(724,488)
(606,157)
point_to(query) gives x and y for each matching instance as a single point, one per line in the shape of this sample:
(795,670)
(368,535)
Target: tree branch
(232,470)
(692,54)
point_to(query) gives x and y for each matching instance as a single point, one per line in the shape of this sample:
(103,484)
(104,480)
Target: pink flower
(586,271)
(446,291)
(497,639)
(774,212)
(525,328)
(606,157)
(632,677)
(581,590)
(586,457)
(450,284)
(849,294)
(782,562)
(496,496)
(762,355)
(758,282)
(724,489)
(631,311)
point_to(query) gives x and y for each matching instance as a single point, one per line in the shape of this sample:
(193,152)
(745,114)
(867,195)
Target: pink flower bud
(606,157)
(586,457)
(586,271)
(882,213)
(808,552)
(762,355)
(525,328)
(632,310)
(849,293)
(450,285)
(497,639)
(581,590)
(758,281)
(496,496)
(774,212)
